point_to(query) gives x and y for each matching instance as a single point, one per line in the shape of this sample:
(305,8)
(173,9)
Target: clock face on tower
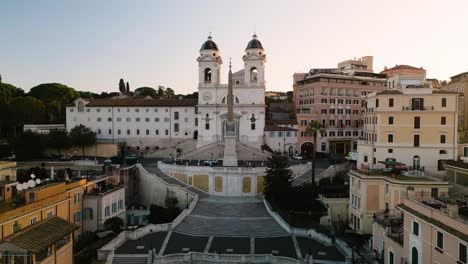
(206,96)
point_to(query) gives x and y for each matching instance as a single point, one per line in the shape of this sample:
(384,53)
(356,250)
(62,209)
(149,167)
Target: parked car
(210,162)
(67,157)
(297,157)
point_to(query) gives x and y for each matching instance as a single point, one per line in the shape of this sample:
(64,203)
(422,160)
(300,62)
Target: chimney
(452,209)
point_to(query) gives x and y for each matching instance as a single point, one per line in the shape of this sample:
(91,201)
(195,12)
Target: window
(390,138)
(166,119)
(137,119)
(147,119)
(176,115)
(415,228)
(186,120)
(109,119)
(114,207)
(324,111)
(391,258)
(376,103)
(252,126)
(99,131)
(147,131)
(88,214)
(138,131)
(390,120)
(462,253)
(417,122)
(440,240)
(176,127)
(443,120)
(417,104)
(444,102)
(128,119)
(442,139)
(207,75)
(77,217)
(390,150)
(207,126)
(77,198)
(167,132)
(33,220)
(416,141)
(157,132)
(156,119)
(128,131)
(99,119)
(120,204)
(110,131)
(365,158)
(119,119)
(390,102)
(107,211)
(137,110)
(323,147)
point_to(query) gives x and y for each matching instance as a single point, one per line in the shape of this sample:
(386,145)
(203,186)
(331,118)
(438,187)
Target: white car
(297,157)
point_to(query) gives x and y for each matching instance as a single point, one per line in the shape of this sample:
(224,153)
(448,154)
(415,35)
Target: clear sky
(91,44)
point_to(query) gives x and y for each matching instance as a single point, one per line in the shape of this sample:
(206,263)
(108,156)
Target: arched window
(224,100)
(414,256)
(253,75)
(207,75)
(237,100)
(252,122)
(80,106)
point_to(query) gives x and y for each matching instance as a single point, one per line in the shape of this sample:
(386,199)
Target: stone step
(230,209)
(129,260)
(234,227)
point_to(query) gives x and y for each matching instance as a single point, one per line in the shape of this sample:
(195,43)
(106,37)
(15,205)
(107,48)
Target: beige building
(422,229)
(459,84)
(374,190)
(416,126)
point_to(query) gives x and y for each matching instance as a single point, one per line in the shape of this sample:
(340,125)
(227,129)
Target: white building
(100,204)
(248,91)
(145,123)
(282,138)
(140,122)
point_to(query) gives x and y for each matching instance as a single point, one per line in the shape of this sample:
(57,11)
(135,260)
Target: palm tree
(312,130)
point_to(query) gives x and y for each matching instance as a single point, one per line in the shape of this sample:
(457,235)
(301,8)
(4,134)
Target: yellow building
(50,241)
(7,179)
(62,199)
(414,125)
(371,191)
(459,84)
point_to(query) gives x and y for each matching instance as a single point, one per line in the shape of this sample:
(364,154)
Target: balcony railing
(413,108)
(392,221)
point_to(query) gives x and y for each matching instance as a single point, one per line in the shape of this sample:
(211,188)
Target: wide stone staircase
(230,217)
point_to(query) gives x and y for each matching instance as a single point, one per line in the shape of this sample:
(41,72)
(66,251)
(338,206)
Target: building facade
(459,84)
(413,125)
(422,229)
(248,91)
(373,191)
(336,98)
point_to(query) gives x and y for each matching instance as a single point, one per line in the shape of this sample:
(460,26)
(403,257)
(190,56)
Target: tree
(146,91)
(58,139)
(29,145)
(278,180)
(25,110)
(169,93)
(128,88)
(114,223)
(55,97)
(161,90)
(82,136)
(122,87)
(7,92)
(312,130)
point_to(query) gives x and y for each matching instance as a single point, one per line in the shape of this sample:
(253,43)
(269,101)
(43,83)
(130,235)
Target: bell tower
(209,64)
(254,63)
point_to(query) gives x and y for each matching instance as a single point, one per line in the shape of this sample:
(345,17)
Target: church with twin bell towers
(233,113)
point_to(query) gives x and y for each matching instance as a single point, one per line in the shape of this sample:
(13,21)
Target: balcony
(414,108)
(392,222)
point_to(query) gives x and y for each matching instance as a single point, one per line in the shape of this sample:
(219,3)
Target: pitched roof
(401,67)
(278,128)
(141,102)
(38,237)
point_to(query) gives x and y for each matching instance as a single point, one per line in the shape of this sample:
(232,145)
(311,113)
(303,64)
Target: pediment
(254,56)
(208,58)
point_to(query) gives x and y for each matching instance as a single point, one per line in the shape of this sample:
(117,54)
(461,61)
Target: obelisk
(230,129)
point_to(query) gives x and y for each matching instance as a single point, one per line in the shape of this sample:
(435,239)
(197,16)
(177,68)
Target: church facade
(248,90)
(150,124)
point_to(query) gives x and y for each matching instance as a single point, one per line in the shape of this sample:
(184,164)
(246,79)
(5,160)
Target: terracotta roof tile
(141,102)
